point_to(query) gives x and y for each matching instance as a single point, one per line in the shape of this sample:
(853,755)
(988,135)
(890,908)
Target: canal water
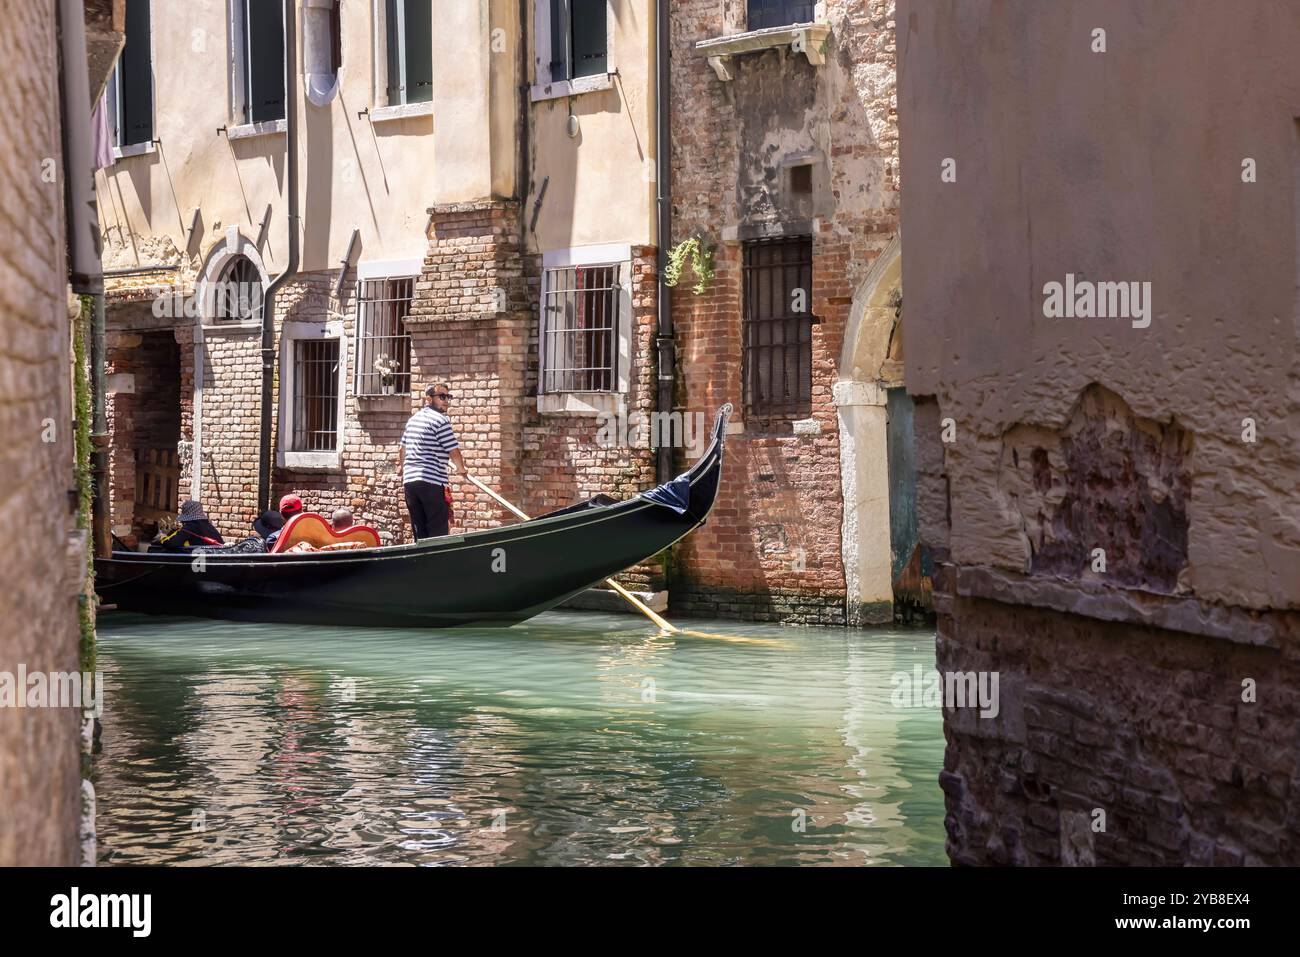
(572,739)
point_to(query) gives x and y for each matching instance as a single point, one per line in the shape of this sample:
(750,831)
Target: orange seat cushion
(315,529)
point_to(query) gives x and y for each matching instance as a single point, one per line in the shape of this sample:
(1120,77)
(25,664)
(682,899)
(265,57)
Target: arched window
(239,292)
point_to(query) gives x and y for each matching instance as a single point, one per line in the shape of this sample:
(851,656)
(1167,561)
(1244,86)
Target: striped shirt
(428,441)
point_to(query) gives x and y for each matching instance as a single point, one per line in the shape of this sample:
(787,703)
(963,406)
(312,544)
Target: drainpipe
(291,268)
(664,232)
(523,175)
(85,268)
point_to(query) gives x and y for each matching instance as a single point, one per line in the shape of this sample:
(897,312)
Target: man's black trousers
(427,505)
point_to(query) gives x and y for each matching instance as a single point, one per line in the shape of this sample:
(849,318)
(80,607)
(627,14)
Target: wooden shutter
(135,125)
(779,13)
(419,51)
(559,65)
(264,30)
(589,37)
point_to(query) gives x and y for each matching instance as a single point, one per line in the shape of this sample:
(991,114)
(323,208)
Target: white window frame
(377,270)
(324,460)
(544,88)
(589,403)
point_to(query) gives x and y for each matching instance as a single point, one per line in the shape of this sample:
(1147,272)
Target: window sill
(582,403)
(264,128)
(311,461)
(811,39)
(134,149)
(562,88)
(399,111)
(394,402)
(220,328)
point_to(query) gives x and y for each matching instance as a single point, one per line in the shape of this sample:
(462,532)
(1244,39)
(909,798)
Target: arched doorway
(869,389)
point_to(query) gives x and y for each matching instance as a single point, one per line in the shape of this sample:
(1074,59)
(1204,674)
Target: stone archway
(869,365)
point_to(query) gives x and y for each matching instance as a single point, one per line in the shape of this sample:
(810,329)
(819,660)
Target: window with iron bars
(580,312)
(779,13)
(315,395)
(777,328)
(383,343)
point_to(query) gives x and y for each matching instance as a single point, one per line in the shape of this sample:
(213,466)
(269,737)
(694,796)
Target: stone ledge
(264,128)
(558,89)
(400,111)
(1128,605)
(807,38)
(447,209)
(394,402)
(591,404)
(428,318)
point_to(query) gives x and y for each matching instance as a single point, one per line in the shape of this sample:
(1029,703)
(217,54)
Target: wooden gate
(157,474)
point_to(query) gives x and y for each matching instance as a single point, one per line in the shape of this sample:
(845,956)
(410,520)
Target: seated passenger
(341,521)
(268,527)
(193,530)
(290,505)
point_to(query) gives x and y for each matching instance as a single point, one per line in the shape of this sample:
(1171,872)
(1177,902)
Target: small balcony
(772,24)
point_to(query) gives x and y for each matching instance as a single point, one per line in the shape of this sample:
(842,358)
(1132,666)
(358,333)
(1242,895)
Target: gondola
(497,576)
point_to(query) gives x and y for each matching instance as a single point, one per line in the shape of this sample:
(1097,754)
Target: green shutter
(135,125)
(559,64)
(394,53)
(264,29)
(589,38)
(419,51)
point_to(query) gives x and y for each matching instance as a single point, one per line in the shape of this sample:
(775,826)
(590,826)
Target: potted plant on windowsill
(387,368)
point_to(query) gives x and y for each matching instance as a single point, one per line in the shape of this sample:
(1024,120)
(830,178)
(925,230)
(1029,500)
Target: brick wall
(1144,725)
(40,772)
(231,413)
(772,549)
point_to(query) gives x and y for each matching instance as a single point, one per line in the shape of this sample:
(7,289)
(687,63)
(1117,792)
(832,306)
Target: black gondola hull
(498,576)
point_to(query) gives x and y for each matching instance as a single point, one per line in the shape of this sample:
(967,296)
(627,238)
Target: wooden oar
(664,625)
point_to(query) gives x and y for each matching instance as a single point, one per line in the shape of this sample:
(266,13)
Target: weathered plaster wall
(600,183)
(355,172)
(40,748)
(1123,686)
(1124,165)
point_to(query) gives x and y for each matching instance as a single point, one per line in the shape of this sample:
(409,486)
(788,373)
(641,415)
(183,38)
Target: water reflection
(572,739)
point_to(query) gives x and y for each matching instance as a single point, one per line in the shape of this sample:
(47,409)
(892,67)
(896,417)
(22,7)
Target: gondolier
(427,444)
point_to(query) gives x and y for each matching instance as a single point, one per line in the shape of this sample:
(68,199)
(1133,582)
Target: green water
(572,739)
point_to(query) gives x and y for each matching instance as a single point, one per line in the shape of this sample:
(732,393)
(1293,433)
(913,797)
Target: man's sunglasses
(442,395)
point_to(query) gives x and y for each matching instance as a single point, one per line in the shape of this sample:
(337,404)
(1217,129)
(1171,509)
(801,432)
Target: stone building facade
(1110,497)
(784,139)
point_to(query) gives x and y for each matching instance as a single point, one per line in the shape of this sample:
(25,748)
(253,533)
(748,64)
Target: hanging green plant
(701,259)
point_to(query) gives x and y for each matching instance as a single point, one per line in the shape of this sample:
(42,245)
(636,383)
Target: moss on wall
(85,484)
